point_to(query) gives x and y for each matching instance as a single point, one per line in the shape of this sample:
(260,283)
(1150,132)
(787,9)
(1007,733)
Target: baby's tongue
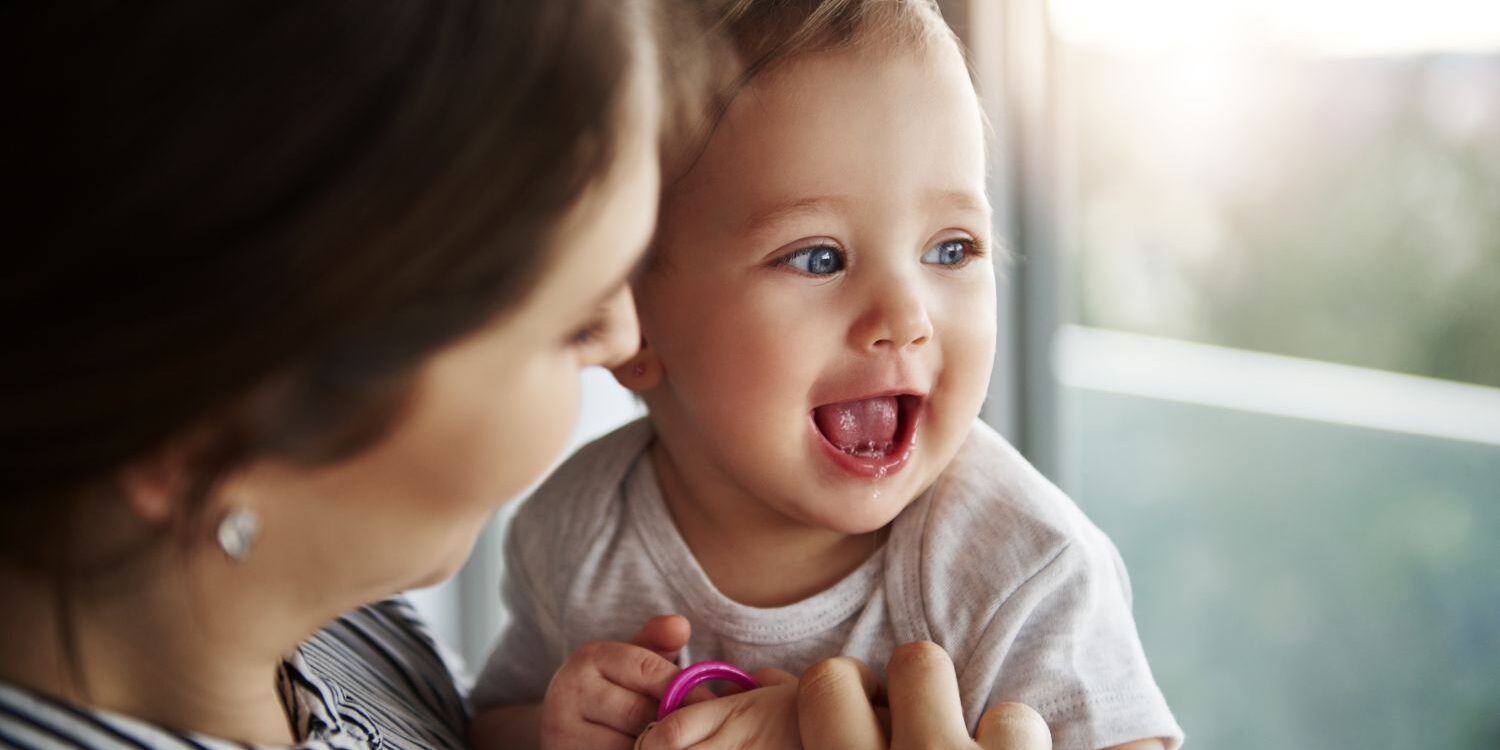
(859,426)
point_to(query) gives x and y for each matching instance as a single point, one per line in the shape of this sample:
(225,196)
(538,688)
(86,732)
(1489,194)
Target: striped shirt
(372,679)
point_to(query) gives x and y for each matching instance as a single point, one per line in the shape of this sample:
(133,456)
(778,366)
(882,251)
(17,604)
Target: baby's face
(824,306)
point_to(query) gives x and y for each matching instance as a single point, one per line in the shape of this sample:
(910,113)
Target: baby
(818,328)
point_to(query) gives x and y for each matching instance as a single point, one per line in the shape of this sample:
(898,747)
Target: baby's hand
(606,692)
(762,718)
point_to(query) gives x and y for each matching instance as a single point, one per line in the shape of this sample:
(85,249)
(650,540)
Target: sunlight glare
(1337,28)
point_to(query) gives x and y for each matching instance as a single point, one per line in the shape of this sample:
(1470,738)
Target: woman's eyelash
(588,333)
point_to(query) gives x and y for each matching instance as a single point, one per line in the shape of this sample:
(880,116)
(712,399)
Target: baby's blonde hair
(746,37)
(764,32)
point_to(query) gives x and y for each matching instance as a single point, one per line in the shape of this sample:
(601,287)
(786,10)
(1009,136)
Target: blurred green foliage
(1341,210)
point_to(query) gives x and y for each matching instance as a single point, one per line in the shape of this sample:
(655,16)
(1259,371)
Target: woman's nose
(622,331)
(896,318)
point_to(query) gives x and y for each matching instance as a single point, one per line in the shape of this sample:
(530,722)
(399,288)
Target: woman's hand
(762,718)
(838,706)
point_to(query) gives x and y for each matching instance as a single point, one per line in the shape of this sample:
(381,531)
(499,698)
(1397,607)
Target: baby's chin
(860,506)
(863,513)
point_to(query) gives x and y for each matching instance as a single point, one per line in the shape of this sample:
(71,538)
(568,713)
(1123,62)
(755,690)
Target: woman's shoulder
(377,674)
(30,720)
(374,677)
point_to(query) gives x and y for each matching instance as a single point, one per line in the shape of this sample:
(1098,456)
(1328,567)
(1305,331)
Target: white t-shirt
(993,563)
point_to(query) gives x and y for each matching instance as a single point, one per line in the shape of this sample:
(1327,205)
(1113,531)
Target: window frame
(1011,57)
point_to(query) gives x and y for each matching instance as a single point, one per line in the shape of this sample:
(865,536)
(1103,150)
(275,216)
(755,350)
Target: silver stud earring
(237,532)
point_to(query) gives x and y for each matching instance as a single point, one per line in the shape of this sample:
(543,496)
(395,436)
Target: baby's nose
(897,319)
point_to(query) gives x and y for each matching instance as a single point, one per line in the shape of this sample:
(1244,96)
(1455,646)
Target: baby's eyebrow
(963,200)
(782,210)
(951,199)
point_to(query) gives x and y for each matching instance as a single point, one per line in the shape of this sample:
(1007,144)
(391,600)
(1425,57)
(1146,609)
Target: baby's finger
(1013,726)
(585,734)
(634,668)
(925,706)
(834,708)
(664,634)
(616,708)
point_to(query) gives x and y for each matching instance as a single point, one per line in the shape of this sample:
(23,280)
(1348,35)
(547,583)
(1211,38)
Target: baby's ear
(642,372)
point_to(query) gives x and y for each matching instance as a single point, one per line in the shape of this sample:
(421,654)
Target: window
(1259,315)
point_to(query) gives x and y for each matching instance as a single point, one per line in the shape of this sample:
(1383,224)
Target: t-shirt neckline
(674,560)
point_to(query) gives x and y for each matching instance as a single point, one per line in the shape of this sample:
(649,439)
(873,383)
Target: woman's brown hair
(247,223)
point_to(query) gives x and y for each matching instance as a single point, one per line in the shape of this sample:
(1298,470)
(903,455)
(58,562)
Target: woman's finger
(1013,726)
(925,706)
(687,726)
(834,708)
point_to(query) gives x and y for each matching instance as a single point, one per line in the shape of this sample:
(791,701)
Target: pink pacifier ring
(697,674)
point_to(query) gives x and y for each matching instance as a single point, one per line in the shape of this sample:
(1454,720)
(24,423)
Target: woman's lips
(858,437)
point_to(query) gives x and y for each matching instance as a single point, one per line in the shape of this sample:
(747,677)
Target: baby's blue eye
(818,261)
(947,253)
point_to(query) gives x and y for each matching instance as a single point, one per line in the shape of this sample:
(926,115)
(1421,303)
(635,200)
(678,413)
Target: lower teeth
(870,449)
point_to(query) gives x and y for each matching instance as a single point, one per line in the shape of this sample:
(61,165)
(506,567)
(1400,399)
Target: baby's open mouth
(868,428)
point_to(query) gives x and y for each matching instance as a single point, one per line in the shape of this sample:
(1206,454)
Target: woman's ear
(153,486)
(642,372)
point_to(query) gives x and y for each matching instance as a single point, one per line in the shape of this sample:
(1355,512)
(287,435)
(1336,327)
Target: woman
(296,294)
